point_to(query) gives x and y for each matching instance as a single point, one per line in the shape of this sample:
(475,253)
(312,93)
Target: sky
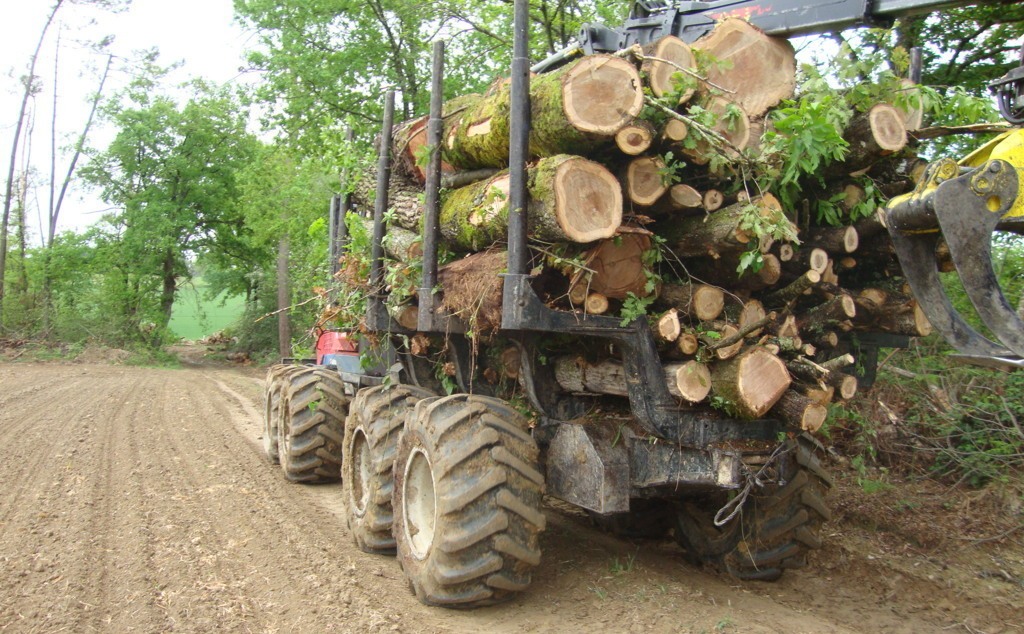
(200,33)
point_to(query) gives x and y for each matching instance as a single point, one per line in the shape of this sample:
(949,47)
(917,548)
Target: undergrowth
(930,417)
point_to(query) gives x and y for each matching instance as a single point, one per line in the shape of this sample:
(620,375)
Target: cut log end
(888,127)
(601,93)
(635,138)
(659,73)
(588,200)
(644,181)
(692,382)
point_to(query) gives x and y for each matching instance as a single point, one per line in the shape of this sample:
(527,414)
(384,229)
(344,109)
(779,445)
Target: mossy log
(751,382)
(710,235)
(577,108)
(571,200)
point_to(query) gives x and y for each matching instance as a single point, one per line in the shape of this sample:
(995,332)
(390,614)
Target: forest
(231,183)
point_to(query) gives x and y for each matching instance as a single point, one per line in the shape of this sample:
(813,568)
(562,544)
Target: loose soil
(138,500)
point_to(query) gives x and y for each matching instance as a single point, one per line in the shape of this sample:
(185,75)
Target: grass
(194,316)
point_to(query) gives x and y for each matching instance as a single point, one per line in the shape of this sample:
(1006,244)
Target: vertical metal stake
(432,202)
(518,257)
(381,203)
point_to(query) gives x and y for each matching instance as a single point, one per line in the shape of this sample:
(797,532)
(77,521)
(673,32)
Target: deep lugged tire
(275,383)
(778,526)
(313,409)
(467,501)
(372,430)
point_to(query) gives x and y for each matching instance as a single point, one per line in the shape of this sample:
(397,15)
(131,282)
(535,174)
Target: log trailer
(453,483)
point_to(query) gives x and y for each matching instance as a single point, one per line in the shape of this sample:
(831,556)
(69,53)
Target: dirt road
(137,500)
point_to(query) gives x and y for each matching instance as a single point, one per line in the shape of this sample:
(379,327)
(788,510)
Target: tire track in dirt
(141,501)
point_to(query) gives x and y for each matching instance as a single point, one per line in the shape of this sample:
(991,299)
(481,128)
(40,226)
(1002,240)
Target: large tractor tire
(468,490)
(272,394)
(372,429)
(313,409)
(777,526)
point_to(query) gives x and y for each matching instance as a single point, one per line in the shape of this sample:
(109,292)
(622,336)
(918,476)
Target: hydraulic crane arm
(650,20)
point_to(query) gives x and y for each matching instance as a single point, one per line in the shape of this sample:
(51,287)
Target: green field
(194,316)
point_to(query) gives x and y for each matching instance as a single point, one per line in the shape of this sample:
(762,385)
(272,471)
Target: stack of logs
(764,343)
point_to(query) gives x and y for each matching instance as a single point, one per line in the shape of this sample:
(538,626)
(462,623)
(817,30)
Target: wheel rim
(360,471)
(420,504)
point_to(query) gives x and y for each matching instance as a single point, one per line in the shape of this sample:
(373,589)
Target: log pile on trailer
(656,191)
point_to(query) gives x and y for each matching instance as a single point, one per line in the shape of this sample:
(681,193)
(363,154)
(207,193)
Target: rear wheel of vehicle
(313,409)
(777,526)
(467,501)
(271,409)
(372,429)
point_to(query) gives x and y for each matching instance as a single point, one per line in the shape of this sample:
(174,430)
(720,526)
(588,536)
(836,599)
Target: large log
(699,301)
(710,235)
(644,180)
(577,108)
(797,409)
(751,382)
(615,268)
(689,381)
(671,55)
(571,200)
(878,132)
(755,70)
(732,123)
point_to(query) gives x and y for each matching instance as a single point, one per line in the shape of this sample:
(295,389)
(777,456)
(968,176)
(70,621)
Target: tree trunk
(797,409)
(18,126)
(699,301)
(689,381)
(615,267)
(751,382)
(644,180)
(571,200)
(284,329)
(635,138)
(564,117)
(672,55)
(759,71)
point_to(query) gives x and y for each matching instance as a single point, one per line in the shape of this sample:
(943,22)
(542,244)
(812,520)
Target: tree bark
(284,330)
(562,110)
(571,200)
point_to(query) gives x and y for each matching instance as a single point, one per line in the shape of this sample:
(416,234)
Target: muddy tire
(372,429)
(778,526)
(313,409)
(272,409)
(467,501)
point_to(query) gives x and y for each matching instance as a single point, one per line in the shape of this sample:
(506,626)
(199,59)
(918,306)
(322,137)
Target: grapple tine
(914,227)
(917,257)
(968,209)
